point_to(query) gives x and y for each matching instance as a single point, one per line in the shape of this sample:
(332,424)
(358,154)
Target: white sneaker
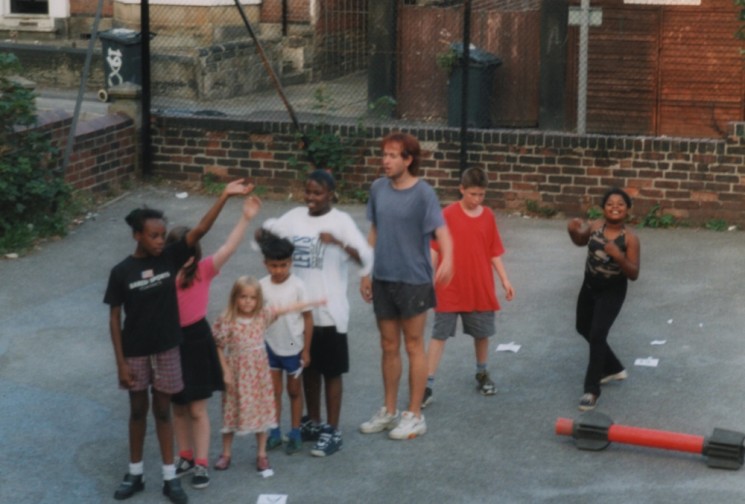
(381,421)
(409,427)
(620,376)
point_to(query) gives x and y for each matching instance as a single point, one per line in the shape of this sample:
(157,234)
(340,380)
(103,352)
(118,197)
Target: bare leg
(200,423)
(413,329)
(481,347)
(312,389)
(182,427)
(277,384)
(163,427)
(261,438)
(434,355)
(333,400)
(138,408)
(390,342)
(294,391)
(227,443)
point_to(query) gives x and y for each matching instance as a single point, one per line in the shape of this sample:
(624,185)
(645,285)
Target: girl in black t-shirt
(146,344)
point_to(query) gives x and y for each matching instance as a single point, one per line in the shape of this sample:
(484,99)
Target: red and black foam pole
(724,449)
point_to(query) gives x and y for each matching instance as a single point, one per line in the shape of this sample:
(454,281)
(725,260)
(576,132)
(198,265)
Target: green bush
(655,219)
(32,194)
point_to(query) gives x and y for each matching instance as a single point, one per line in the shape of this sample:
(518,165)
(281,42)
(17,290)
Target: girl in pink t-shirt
(200,364)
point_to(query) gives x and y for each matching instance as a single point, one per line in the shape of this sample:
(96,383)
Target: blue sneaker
(329,442)
(274,440)
(294,442)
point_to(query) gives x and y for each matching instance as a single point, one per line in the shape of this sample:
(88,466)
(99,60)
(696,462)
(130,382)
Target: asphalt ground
(63,421)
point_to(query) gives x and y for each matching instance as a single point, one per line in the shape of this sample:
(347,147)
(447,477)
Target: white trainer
(409,427)
(620,376)
(381,421)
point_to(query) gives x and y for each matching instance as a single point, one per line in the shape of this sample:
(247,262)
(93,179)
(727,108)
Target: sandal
(263,467)
(222,463)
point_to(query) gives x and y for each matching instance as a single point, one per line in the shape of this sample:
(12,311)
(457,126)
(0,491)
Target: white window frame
(58,9)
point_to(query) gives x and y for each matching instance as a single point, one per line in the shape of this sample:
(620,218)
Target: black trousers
(597,309)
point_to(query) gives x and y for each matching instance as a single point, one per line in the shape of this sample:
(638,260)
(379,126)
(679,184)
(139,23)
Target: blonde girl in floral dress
(248,401)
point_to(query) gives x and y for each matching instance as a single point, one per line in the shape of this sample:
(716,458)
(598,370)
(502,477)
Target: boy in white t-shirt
(288,339)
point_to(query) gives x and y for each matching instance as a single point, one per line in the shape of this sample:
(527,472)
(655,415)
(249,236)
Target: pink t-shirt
(192,302)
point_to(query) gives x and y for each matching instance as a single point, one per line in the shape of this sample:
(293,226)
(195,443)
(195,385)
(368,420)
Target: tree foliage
(31,192)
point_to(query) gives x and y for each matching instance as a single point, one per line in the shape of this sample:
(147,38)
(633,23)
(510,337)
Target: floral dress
(249,405)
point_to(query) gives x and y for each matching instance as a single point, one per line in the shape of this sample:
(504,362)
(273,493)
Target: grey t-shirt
(405,221)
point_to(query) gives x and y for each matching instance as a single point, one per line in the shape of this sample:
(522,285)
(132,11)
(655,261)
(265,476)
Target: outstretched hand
(251,207)
(237,188)
(575,225)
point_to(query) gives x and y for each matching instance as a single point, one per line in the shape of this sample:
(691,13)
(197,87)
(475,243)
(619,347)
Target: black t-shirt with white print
(146,288)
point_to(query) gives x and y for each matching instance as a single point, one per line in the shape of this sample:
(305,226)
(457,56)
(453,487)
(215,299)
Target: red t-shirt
(475,242)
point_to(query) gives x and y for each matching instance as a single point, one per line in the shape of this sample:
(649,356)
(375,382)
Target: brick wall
(104,152)
(692,179)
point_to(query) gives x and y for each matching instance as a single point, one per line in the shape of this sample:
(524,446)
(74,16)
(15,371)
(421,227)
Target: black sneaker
(183,466)
(486,385)
(129,486)
(172,489)
(328,442)
(200,478)
(588,402)
(309,430)
(427,399)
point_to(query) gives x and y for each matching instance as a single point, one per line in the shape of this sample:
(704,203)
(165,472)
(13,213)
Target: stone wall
(104,152)
(694,180)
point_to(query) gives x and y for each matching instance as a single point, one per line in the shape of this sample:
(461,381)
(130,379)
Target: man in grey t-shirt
(405,215)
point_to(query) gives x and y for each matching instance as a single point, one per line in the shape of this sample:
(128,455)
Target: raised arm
(251,208)
(234,188)
(579,231)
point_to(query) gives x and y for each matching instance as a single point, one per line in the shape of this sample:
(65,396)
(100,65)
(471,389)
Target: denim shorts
(478,324)
(162,371)
(398,300)
(288,363)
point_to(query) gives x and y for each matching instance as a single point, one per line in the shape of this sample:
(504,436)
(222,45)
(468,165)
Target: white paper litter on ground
(648,362)
(508,347)
(271,499)
(182,195)
(658,342)
(267,473)
(670,321)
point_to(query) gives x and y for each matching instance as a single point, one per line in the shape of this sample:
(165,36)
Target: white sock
(169,472)
(136,469)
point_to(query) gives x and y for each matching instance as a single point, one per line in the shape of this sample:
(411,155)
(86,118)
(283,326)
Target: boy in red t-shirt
(470,294)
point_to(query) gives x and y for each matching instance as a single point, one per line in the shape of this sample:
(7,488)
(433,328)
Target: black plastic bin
(481,71)
(122,56)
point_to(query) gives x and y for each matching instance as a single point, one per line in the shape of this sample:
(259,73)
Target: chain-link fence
(315,54)
(661,68)
(650,70)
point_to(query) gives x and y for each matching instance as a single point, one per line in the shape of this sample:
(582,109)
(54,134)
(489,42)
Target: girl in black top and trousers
(612,260)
